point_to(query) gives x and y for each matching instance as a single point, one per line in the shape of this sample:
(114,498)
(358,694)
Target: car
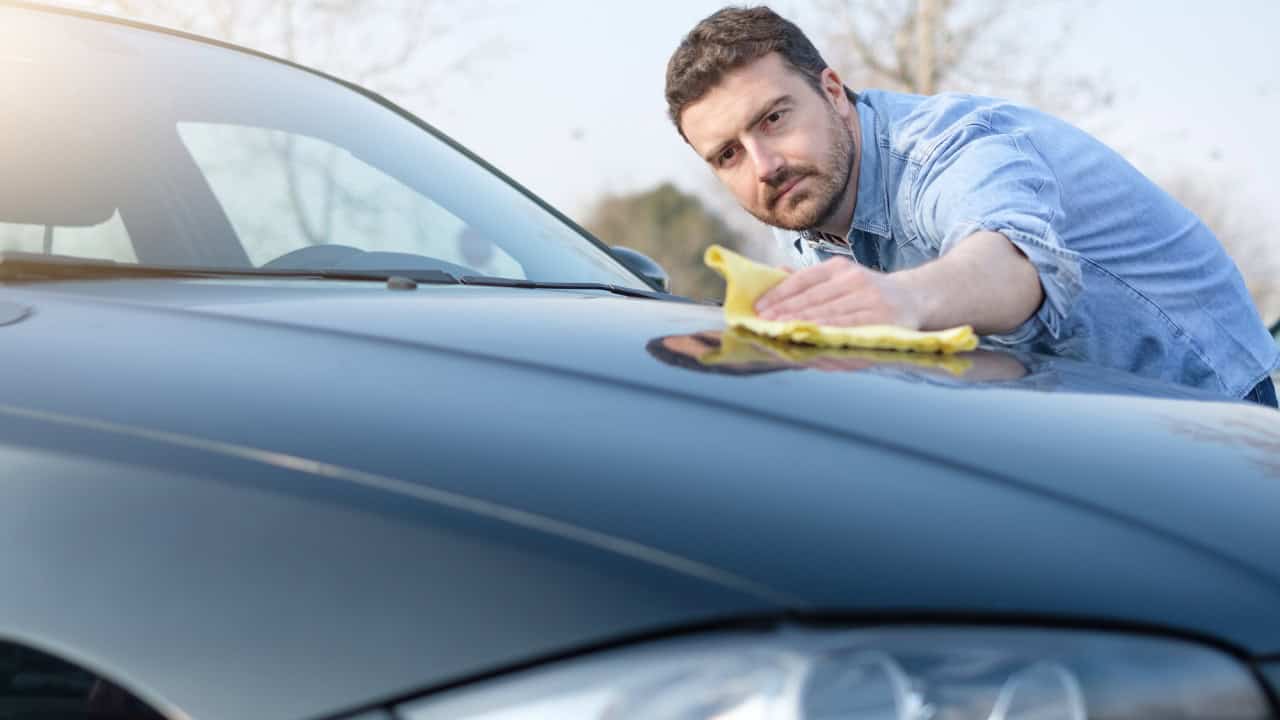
(307,412)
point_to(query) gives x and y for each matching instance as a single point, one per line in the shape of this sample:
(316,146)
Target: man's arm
(983,281)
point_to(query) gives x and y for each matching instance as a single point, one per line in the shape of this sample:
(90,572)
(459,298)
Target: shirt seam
(932,148)
(1017,144)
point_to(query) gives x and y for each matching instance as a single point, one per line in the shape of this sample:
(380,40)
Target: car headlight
(915,673)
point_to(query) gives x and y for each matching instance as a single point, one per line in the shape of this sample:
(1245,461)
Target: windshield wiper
(35,267)
(489,281)
(18,267)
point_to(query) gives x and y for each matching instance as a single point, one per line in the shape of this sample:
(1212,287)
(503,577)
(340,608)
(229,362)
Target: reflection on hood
(735,351)
(739,347)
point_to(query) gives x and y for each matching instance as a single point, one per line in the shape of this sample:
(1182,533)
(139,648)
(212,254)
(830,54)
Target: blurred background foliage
(670,226)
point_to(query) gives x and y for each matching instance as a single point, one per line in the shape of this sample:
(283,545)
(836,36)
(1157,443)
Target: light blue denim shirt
(1132,280)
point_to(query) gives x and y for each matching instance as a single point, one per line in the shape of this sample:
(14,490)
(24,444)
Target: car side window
(108,240)
(35,685)
(284,191)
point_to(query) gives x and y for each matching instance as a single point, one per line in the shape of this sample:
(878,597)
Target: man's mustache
(781,178)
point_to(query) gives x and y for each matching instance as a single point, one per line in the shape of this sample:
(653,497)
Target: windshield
(127,145)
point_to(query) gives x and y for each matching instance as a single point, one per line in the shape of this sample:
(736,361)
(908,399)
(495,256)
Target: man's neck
(841,220)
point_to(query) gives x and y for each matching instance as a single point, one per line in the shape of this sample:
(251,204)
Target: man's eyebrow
(768,108)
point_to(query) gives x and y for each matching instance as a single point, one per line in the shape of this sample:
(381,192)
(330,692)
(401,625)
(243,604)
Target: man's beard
(814,206)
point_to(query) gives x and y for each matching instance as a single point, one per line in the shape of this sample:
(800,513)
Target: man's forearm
(984,281)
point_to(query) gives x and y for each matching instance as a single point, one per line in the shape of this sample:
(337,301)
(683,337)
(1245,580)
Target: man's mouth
(787,187)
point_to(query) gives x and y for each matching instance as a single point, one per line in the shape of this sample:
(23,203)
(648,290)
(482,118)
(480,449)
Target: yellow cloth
(741,347)
(747,280)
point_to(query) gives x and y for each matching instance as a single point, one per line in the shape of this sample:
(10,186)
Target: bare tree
(384,45)
(379,44)
(980,46)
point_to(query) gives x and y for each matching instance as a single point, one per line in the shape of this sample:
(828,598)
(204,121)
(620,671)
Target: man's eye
(727,156)
(774,117)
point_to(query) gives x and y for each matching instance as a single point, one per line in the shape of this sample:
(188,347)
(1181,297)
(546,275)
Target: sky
(576,107)
(573,106)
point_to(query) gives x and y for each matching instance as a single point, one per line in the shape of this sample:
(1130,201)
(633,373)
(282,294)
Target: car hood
(854,486)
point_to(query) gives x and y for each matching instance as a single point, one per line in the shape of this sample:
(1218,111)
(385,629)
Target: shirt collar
(871,214)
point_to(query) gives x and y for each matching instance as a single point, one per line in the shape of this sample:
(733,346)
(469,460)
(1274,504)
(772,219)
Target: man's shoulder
(914,124)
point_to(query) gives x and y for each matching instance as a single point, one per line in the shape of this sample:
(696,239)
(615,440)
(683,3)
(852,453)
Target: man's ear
(833,91)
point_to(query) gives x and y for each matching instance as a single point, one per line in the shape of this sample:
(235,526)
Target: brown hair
(729,39)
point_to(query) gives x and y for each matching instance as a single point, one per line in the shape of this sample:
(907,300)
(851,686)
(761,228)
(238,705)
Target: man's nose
(767,161)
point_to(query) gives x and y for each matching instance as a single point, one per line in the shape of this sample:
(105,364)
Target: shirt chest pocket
(905,228)
(905,255)
(907,246)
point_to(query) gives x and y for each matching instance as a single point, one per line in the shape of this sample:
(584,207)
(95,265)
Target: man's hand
(842,293)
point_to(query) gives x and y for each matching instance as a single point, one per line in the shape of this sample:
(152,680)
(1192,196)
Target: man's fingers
(799,281)
(815,296)
(854,308)
(841,293)
(794,284)
(823,303)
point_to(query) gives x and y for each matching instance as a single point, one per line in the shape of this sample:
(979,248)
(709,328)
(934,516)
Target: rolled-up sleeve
(978,180)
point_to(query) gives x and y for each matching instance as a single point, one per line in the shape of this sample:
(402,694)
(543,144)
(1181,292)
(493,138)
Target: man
(931,212)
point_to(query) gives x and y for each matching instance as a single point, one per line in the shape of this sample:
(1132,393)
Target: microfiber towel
(747,280)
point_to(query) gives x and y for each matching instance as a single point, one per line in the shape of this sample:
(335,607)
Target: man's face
(783,149)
